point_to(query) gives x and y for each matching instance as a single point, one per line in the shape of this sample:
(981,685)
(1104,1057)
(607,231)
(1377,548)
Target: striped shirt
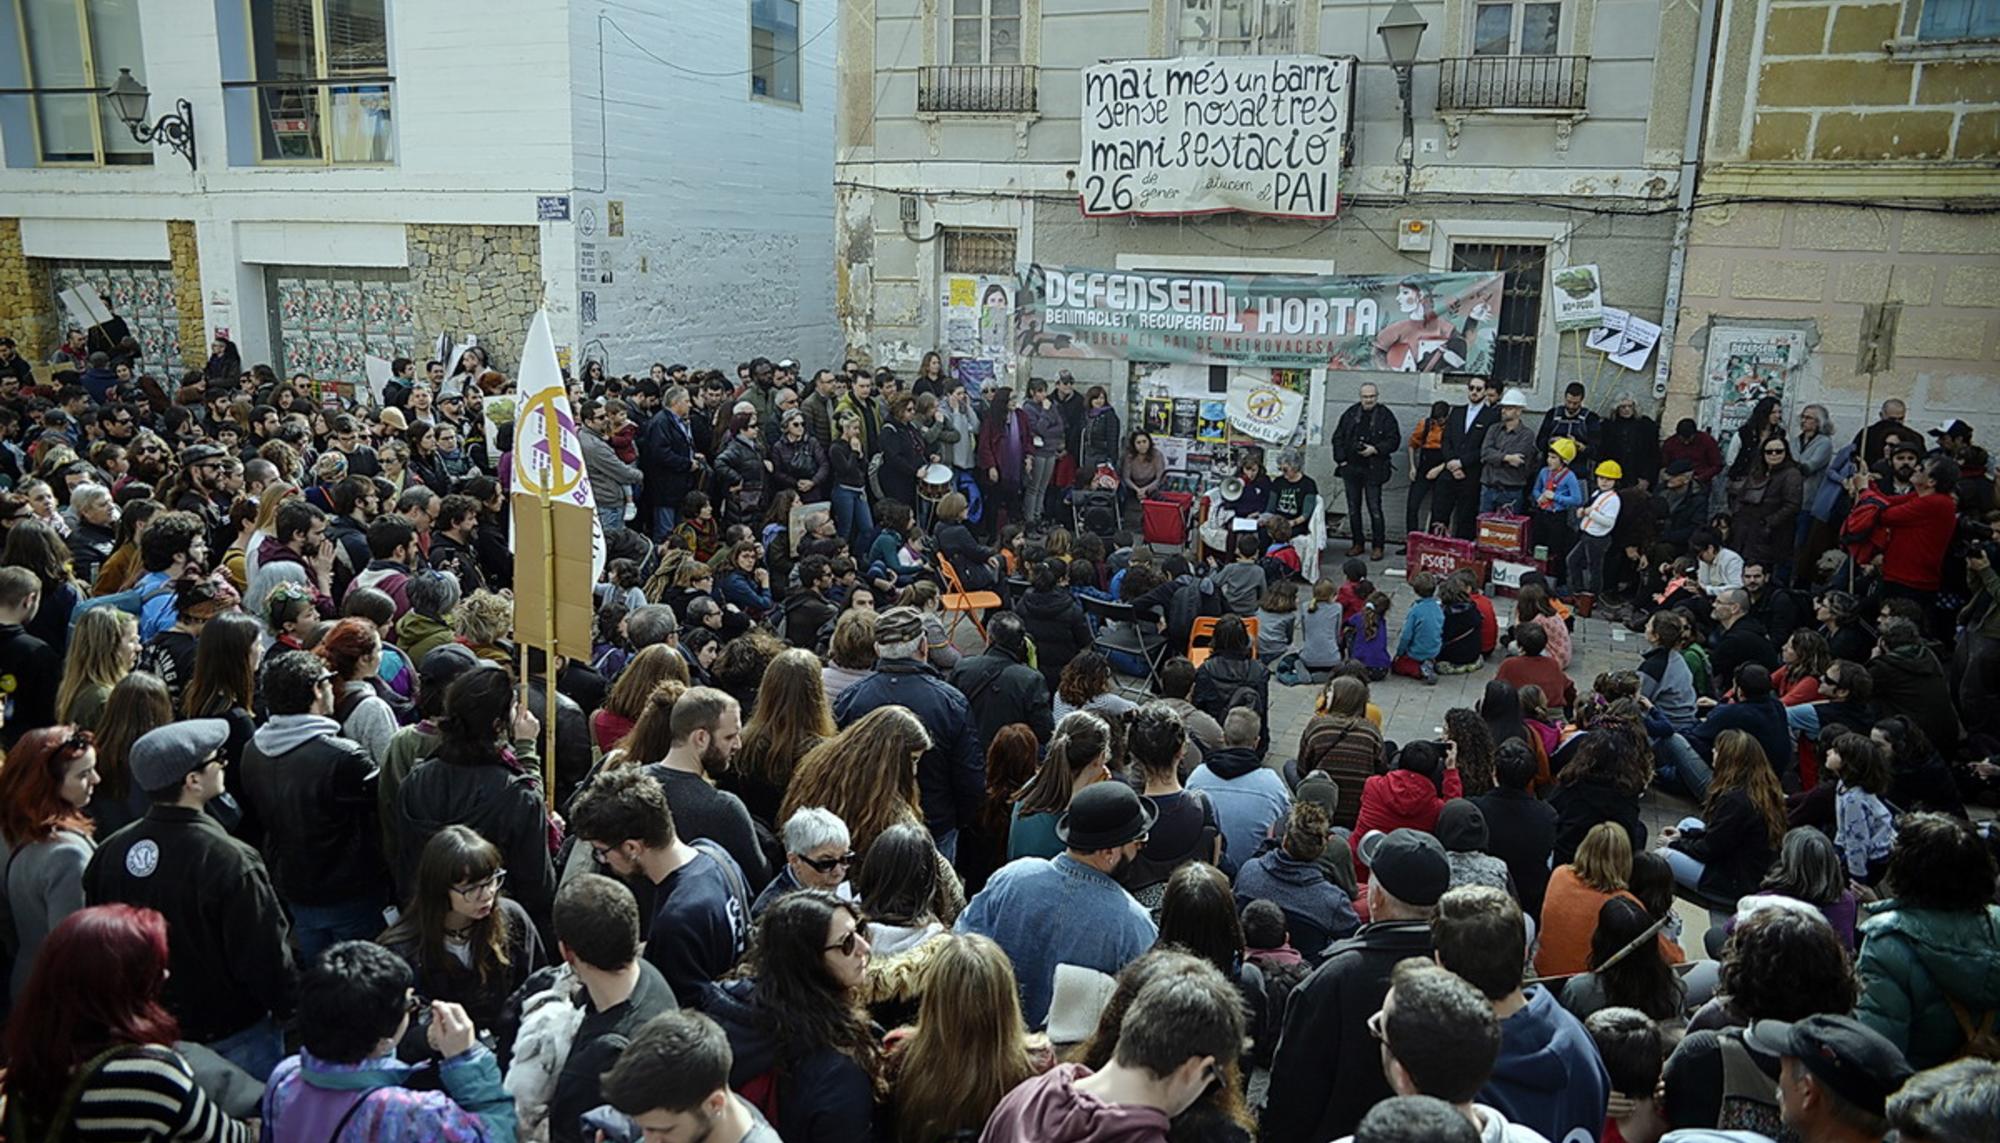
(149,1093)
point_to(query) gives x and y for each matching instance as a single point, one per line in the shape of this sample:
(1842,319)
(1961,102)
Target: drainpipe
(1691,146)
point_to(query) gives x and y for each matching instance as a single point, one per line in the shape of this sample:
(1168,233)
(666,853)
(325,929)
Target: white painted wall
(728,199)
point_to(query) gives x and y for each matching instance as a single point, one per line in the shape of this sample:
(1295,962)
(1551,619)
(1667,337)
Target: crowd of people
(903,798)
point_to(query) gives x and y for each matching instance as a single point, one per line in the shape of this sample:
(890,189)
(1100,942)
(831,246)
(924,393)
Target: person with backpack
(574,1020)
(1230,678)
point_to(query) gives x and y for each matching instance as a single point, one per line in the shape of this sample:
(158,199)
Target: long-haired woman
(792,717)
(224,685)
(1469,732)
(91,1040)
(1185,827)
(1079,755)
(1011,759)
(101,651)
(627,698)
(1085,684)
(1220,1113)
(799,1007)
(1806,658)
(1198,915)
(968,1047)
(123,568)
(352,650)
(1764,503)
(897,886)
(466,941)
(44,787)
(138,705)
(1626,967)
(1342,741)
(485,775)
(1600,870)
(652,733)
(41,550)
(1724,853)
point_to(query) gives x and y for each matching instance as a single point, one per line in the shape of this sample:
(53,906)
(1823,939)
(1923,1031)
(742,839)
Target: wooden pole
(549,634)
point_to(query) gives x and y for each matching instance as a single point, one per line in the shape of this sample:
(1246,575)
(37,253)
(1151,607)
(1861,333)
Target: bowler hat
(1105,816)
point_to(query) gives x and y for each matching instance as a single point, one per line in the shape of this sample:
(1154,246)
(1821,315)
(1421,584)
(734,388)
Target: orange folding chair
(962,603)
(1201,638)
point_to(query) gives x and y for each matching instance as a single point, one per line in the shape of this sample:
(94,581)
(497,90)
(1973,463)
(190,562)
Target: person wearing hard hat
(1594,521)
(1553,498)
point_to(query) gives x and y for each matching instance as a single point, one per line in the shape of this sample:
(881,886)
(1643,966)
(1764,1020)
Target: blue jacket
(1046,912)
(1549,1076)
(1317,911)
(307,1097)
(1568,492)
(738,588)
(1248,797)
(1423,631)
(951,776)
(1765,720)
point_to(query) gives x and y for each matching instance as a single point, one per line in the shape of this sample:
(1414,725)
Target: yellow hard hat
(1564,448)
(1611,470)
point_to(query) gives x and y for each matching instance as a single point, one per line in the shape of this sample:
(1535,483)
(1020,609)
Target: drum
(933,481)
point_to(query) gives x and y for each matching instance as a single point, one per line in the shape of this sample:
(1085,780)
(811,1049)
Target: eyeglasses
(490,885)
(828,864)
(601,851)
(846,945)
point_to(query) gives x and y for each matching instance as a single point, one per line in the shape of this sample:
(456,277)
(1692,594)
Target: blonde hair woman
(968,1047)
(483,621)
(1601,870)
(268,503)
(101,651)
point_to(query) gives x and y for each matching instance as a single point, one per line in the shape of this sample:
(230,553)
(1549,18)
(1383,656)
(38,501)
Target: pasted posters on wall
(977,317)
(1746,363)
(1261,134)
(1579,297)
(1413,323)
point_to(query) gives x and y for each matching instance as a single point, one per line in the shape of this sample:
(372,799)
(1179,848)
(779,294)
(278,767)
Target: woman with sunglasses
(466,941)
(91,1040)
(1764,508)
(796,1020)
(44,787)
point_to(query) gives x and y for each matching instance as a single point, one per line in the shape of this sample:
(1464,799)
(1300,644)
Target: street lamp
(129,98)
(1402,31)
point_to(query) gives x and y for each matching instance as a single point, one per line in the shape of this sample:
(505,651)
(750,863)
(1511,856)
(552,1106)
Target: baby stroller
(1096,511)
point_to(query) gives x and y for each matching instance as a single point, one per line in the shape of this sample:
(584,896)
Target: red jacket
(1702,452)
(1920,530)
(1541,671)
(1397,799)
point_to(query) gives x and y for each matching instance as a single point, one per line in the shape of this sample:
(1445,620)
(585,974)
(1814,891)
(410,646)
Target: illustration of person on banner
(1426,341)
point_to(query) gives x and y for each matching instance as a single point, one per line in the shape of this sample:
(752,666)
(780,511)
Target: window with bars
(73,50)
(1520,303)
(978,251)
(1515,27)
(1238,27)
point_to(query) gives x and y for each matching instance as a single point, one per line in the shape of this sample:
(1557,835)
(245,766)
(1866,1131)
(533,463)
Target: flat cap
(163,757)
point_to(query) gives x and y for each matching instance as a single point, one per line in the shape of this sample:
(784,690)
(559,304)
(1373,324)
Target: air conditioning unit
(906,208)
(1413,234)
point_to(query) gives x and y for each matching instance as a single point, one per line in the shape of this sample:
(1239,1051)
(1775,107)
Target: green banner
(1399,323)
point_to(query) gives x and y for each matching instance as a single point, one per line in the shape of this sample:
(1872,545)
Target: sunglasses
(1774,452)
(845,945)
(828,864)
(76,743)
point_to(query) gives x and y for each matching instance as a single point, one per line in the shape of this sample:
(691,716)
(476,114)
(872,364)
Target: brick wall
(1828,262)
(480,280)
(27,303)
(1827,89)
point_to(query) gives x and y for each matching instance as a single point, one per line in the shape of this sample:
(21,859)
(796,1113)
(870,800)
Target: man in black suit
(1456,501)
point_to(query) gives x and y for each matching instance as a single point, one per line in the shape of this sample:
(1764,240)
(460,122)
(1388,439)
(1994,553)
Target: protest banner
(1261,409)
(1411,323)
(1579,297)
(1259,134)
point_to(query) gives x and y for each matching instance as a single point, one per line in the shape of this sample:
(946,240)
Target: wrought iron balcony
(1513,83)
(977,89)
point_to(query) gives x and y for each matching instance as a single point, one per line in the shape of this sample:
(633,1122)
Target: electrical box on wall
(1413,234)
(906,208)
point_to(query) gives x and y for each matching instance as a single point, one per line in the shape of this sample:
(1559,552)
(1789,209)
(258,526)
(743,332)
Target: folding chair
(962,603)
(1122,629)
(1202,635)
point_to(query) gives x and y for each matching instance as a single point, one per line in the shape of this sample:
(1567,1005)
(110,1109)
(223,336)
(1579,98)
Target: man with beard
(1362,442)
(451,542)
(1455,501)
(201,478)
(1683,506)
(355,503)
(1633,441)
(1571,419)
(1070,909)
(712,396)
(762,392)
(707,728)
(150,461)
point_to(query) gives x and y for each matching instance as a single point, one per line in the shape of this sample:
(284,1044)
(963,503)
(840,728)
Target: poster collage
(141,293)
(1190,423)
(328,327)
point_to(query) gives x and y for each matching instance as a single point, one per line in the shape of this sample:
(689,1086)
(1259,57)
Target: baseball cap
(1409,863)
(1856,1061)
(1953,428)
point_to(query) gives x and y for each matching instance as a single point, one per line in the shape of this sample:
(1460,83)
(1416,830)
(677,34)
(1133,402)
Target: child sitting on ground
(1423,633)
(1368,637)
(1320,629)
(1539,720)
(1277,618)
(1354,592)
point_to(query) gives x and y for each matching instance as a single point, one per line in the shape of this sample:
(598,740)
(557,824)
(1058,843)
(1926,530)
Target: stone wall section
(186,261)
(478,280)
(27,301)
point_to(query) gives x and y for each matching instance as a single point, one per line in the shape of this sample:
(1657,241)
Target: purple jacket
(308,1097)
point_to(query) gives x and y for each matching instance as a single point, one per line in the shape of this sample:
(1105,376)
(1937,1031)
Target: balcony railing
(977,89)
(1513,83)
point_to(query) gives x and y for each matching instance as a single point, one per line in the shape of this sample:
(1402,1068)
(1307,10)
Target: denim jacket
(1046,912)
